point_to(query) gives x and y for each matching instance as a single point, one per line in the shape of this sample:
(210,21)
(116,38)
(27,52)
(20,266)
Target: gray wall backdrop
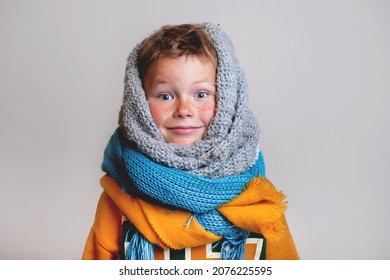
(319,79)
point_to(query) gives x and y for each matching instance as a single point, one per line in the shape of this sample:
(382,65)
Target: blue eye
(165,96)
(201,94)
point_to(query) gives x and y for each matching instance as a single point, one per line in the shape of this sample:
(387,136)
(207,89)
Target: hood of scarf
(259,208)
(229,147)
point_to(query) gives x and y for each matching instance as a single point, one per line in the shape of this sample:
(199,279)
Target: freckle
(207,109)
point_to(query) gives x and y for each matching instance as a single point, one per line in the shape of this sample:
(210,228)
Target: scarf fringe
(274,231)
(139,248)
(234,248)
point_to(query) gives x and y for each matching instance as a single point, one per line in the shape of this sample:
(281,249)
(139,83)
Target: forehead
(180,67)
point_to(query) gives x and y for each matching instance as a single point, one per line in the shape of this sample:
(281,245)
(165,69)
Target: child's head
(199,62)
(177,66)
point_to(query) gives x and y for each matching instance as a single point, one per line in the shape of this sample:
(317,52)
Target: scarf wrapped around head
(227,155)
(230,145)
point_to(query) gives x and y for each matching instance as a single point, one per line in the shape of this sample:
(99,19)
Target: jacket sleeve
(283,249)
(103,242)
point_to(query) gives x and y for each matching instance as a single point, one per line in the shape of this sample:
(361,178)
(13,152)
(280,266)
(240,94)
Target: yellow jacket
(259,209)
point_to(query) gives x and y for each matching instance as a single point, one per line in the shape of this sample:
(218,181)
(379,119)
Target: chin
(183,142)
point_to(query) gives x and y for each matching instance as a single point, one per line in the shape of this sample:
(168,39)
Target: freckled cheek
(207,112)
(159,114)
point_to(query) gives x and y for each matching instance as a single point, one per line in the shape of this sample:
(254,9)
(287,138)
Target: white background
(319,79)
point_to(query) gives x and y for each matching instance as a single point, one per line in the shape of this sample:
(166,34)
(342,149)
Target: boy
(185,178)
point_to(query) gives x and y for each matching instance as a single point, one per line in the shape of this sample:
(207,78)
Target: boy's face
(181,96)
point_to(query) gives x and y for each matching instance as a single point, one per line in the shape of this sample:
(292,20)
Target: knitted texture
(172,186)
(259,208)
(229,146)
(140,176)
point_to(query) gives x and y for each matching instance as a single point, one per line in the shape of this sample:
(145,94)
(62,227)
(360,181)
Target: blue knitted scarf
(177,189)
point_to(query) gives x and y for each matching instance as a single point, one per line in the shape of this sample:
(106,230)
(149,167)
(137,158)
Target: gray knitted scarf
(230,146)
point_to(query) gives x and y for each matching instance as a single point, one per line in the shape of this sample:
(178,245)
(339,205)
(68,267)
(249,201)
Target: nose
(184,109)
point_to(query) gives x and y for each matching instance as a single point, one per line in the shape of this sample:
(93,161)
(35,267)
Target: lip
(184,129)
